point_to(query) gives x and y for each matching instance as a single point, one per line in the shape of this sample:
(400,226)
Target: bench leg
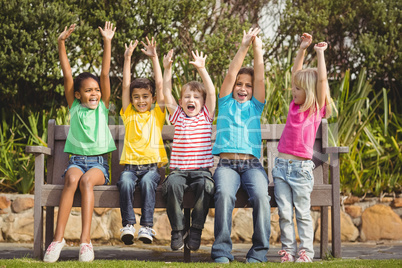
(336,209)
(49,226)
(187,252)
(324,232)
(38,231)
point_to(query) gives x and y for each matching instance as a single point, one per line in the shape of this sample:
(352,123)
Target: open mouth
(190,108)
(242,95)
(93,101)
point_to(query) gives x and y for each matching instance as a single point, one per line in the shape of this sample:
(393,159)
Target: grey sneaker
(127,234)
(146,234)
(53,251)
(177,241)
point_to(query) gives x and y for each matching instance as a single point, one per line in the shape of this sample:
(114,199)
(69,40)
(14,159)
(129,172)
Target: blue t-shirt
(238,127)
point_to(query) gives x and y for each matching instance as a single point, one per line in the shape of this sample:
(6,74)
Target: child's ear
(179,102)
(77,95)
(153,99)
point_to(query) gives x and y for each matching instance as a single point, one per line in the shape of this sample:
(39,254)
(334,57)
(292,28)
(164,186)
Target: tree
(359,33)
(29,65)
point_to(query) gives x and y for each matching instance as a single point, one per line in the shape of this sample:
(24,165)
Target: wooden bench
(47,195)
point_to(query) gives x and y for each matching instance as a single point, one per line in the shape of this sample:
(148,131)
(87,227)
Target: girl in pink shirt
(293,171)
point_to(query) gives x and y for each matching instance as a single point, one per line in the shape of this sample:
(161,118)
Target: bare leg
(91,178)
(72,179)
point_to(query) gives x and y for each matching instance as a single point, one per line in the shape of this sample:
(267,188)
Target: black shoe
(177,240)
(194,239)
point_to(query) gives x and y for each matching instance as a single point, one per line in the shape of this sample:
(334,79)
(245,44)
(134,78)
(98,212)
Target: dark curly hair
(81,77)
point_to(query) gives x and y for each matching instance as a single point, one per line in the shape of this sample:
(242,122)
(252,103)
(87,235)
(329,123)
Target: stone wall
(361,220)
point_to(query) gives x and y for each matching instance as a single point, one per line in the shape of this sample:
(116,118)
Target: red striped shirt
(192,148)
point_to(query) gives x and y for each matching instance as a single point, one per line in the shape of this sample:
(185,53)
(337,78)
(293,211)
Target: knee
(85,183)
(71,181)
(125,181)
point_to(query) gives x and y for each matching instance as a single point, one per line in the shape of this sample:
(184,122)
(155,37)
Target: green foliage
(374,162)
(359,33)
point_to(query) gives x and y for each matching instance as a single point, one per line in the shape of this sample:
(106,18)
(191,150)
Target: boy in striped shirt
(191,155)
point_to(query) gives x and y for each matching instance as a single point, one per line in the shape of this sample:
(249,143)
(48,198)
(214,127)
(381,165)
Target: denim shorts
(85,163)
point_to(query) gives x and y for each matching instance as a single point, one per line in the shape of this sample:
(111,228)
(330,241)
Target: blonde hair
(194,86)
(306,79)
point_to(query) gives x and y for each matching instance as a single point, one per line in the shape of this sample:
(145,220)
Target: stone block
(351,200)
(4,202)
(397,202)
(22,204)
(381,222)
(349,231)
(353,211)
(101,211)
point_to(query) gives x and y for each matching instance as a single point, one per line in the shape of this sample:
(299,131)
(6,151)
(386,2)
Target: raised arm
(298,64)
(150,50)
(170,102)
(237,62)
(65,65)
(259,83)
(322,81)
(125,94)
(107,34)
(199,64)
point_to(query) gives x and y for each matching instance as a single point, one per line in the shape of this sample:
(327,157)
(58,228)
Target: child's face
(243,88)
(299,95)
(142,99)
(191,102)
(89,93)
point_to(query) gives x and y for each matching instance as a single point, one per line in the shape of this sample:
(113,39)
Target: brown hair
(194,86)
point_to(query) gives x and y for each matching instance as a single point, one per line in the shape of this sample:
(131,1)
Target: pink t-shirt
(300,130)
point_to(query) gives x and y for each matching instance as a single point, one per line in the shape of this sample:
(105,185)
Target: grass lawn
(27,262)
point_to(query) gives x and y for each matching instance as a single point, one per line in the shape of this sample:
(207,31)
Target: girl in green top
(88,139)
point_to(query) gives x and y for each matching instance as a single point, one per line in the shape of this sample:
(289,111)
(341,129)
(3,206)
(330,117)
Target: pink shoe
(303,257)
(286,256)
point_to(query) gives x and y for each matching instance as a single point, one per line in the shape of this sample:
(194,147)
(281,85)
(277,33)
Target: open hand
(150,49)
(199,59)
(130,48)
(167,59)
(66,33)
(249,36)
(108,32)
(322,46)
(257,43)
(306,40)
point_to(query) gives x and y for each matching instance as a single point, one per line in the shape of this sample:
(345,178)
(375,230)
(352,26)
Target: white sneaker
(286,256)
(53,251)
(86,252)
(127,234)
(303,257)
(146,234)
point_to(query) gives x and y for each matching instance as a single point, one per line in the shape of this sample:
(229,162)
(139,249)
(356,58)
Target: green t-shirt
(89,133)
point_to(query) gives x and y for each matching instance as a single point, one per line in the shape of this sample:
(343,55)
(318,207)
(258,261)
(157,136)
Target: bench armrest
(335,150)
(38,150)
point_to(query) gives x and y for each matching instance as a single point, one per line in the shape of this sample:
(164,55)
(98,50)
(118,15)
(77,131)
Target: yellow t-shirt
(143,142)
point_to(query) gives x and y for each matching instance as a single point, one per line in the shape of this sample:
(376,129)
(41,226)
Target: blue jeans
(178,181)
(294,183)
(251,176)
(85,163)
(147,177)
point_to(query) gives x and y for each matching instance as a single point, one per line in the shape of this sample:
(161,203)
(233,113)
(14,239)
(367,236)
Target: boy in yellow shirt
(143,150)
